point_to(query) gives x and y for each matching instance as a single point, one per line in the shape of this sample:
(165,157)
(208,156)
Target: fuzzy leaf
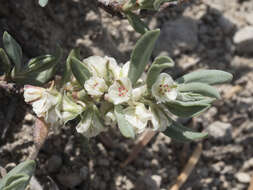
(13,50)
(138,25)
(200,88)
(206,76)
(43,3)
(18,178)
(125,127)
(159,64)
(141,54)
(187,109)
(4,60)
(79,70)
(180,133)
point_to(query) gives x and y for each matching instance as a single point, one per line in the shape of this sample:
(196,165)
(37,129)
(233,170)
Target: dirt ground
(198,34)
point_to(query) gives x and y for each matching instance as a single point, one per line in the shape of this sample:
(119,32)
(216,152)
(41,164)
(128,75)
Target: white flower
(110,119)
(90,125)
(120,91)
(124,70)
(138,92)
(138,117)
(67,109)
(42,100)
(159,120)
(102,67)
(164,89)
(95,86)
(52,118)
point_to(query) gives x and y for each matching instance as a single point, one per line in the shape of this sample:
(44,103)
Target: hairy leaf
(138,25)
(4,60)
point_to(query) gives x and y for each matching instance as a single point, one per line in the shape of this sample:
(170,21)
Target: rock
(157,179)
(54,163)
(70,180)
(225,24)
(244,40)
(103,162)
(146,182)
(220,131)
(243,177)
(249,18)
(179,34)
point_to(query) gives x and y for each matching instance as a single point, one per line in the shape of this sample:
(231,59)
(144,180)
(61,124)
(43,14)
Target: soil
(226,162)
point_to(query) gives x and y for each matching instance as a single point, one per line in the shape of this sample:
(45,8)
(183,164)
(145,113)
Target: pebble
(70,180)
(146,182)
(84,171)
(243,177)
(220,131)
(103,162)
(226,25)
(243,38)
(54,163)
(249,18)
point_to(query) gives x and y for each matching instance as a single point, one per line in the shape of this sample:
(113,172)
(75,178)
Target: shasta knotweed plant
(99,93)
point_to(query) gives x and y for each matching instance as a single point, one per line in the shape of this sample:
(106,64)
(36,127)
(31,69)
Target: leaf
(187,109)
(159,64)
(141,54)
(206,76)
(13,50)
(4,60)
(157,3)
(41,63)
(200,88)
(43,3)
(180,133)
(18,176)
(79,70)
(125,127)
(138,25)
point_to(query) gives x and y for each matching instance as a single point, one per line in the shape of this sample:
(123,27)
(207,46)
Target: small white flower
(138,117)
(67,109)
(95,86)
(159,120)
(124,70)
(120,91)
(42,100)
(52,118)
(110,119)
(139,92)
(164,89)
(90,125)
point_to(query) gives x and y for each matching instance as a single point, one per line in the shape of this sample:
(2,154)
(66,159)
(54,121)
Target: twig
(141,143)
(251,184)
(181,179)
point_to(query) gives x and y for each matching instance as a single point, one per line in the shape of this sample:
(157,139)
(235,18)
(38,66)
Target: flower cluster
(108,86)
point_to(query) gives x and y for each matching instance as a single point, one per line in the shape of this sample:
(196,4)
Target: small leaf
(43,3)
(159,64)
(138,25)
(79,70)
(157,3)
(17,182)
(206,76)
(4,60)
(125,127)
(141,54)
(19,173)
(13,50)
(180,133)
(186,109)
(200,88)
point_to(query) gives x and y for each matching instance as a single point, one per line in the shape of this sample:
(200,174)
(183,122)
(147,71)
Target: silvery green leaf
(41,63)
(67,70)
(125,127)
(18,176)
(200,88)
(138,25)
(5,62)
(206,76)
(187,109)
(79,70)
(159,64)
(141,54)
(43,3)
(180,133)
(129,5)
(13,50)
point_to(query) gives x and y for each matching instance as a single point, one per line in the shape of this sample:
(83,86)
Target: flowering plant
(100,93)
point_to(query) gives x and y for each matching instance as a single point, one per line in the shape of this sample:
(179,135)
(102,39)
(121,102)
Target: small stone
(70,180)
(243,177)
(10,166)
(220,131)
(146,183)
(225,24)
(103,162)
(249,18)
(54,163)
(157,179)
(244,40)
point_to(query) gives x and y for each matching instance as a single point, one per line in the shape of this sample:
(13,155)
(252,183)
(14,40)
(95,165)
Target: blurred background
(216,34)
